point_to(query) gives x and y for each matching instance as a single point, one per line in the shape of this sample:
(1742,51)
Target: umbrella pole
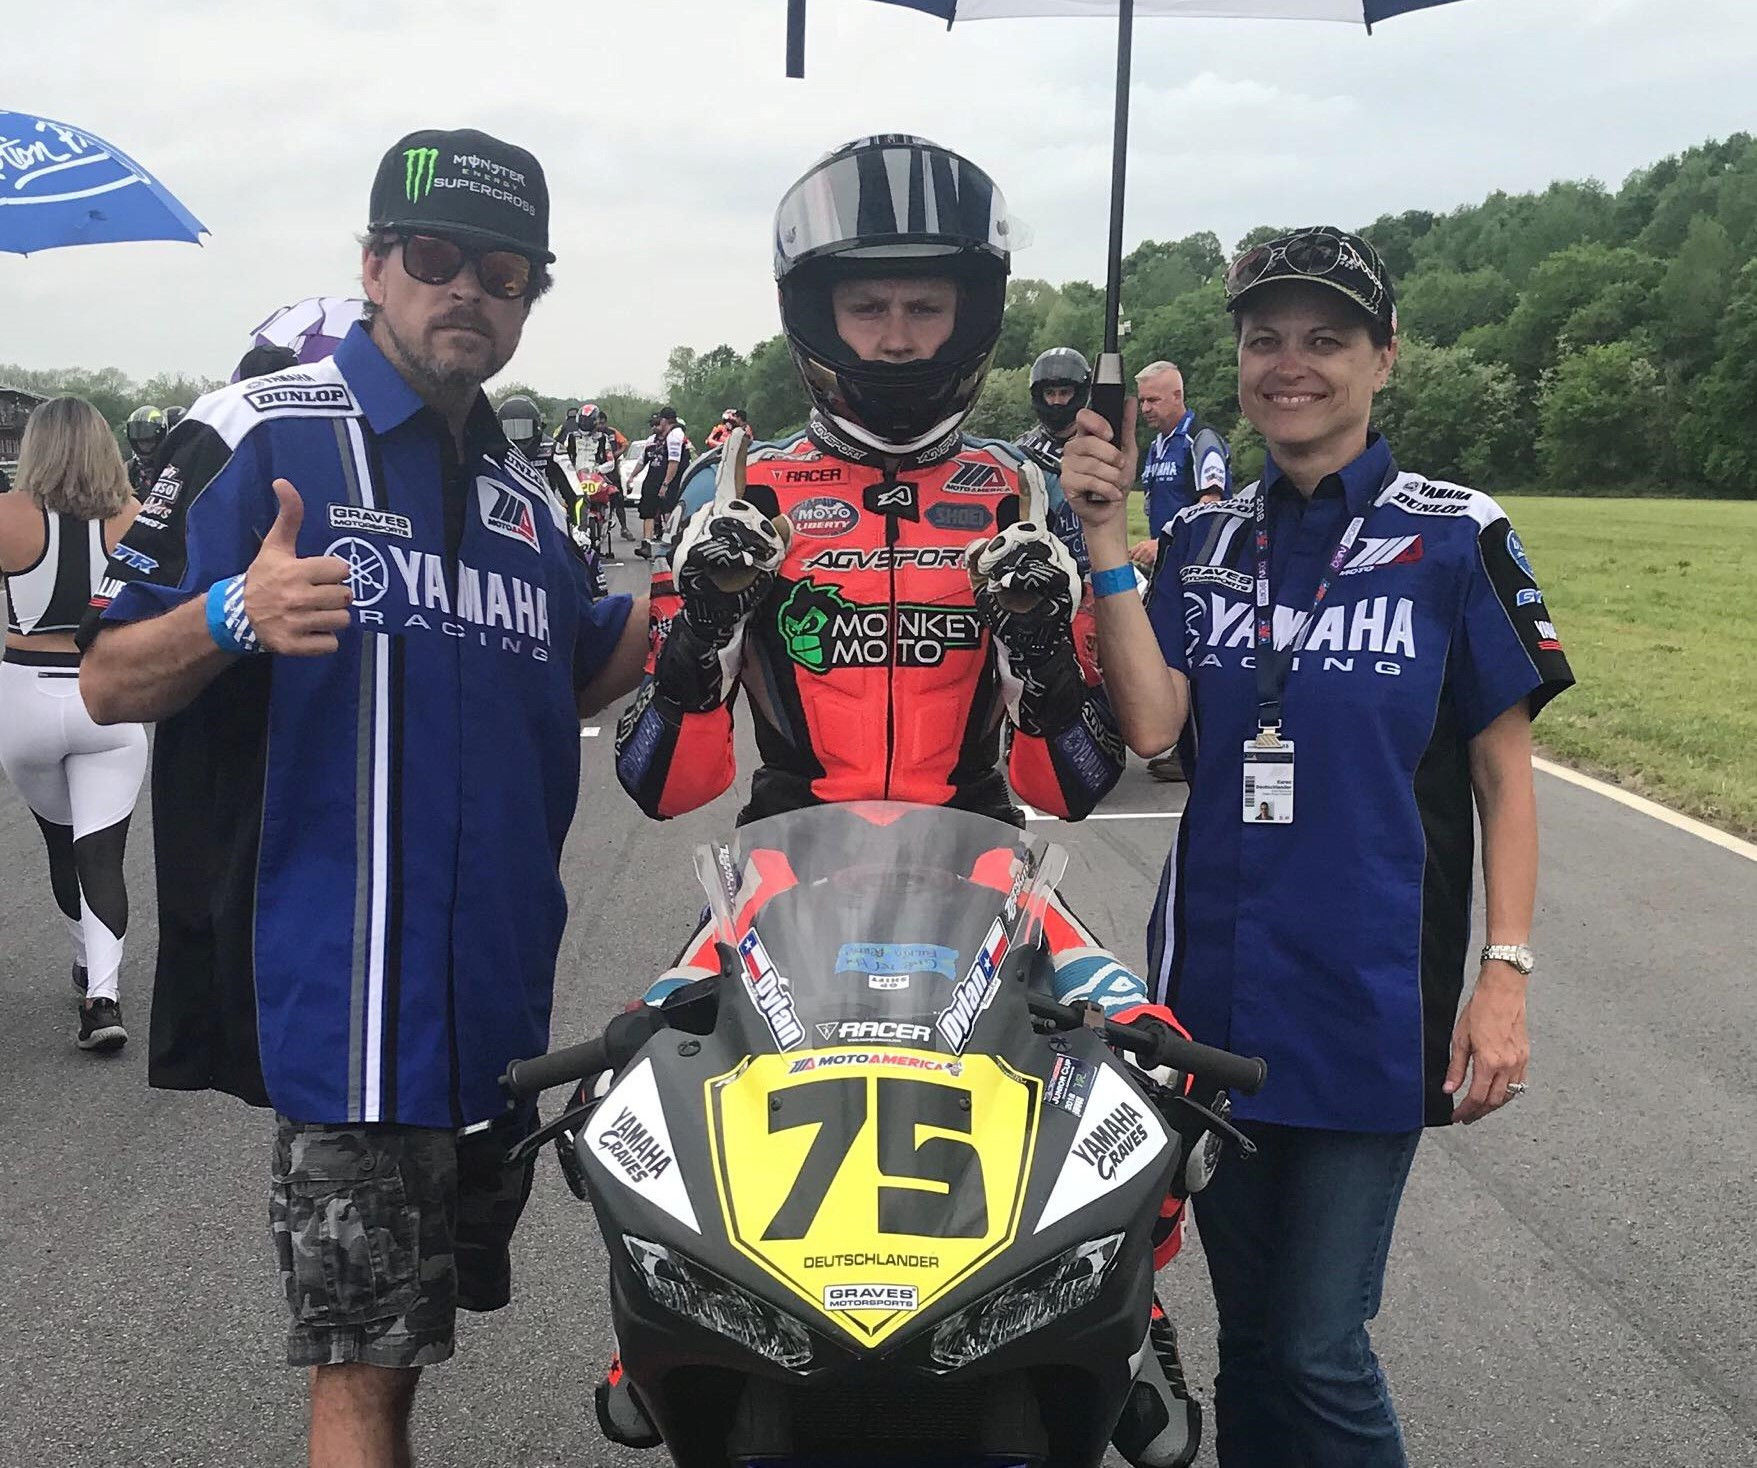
(1107,379)
(795,38)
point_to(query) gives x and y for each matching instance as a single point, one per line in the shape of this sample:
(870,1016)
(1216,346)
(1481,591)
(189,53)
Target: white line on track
(1650,808)
(1111,815)
(589,732)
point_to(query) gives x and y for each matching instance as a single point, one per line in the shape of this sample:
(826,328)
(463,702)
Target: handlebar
(1156,1044)
(620,1042)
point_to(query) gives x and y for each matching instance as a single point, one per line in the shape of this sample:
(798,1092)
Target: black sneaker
(1161,1423)
(80,978)
(621,1416)
(644,550)
(100,1025)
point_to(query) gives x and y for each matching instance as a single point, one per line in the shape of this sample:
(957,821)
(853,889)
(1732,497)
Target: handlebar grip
(1219,1068)
(527,1078)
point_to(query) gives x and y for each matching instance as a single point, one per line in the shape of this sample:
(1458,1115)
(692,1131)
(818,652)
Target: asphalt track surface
(1573,1282)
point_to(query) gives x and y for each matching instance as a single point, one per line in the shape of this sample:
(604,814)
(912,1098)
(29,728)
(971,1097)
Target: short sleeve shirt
(365,904)
(1180,467)
(1335,947)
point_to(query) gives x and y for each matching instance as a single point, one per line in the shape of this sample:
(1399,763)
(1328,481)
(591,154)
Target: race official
(1187,461)
(1381,639)
(358,614)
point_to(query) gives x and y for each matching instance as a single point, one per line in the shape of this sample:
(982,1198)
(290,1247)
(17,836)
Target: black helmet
(892,206)
(1060,367)
(522,424)
(174,416)
(145,430)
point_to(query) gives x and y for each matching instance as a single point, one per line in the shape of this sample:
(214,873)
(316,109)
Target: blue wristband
(1113,582)
(226,622)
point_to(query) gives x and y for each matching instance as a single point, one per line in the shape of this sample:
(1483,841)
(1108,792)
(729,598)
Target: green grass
(1656,602)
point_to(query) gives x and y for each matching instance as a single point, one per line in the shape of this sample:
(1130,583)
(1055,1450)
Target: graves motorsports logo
(822,631)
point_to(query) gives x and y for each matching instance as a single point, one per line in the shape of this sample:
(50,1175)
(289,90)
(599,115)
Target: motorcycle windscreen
(873,1158)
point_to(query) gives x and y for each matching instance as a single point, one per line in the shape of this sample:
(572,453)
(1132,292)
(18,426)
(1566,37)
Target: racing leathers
(867,669)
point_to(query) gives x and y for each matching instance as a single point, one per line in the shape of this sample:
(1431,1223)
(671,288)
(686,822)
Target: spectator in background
(665,460)
(732,418)
(1187,461)
(5,483)
(80,780)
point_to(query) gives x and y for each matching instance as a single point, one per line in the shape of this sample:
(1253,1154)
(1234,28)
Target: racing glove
(1027,588)
(727,556)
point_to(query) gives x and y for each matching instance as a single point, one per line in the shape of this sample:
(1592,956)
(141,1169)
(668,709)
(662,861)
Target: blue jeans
(1296,1239)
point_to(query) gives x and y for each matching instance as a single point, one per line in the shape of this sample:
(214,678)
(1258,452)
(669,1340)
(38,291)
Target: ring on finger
(1515,1089)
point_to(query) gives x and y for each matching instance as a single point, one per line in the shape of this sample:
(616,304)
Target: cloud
(668,132)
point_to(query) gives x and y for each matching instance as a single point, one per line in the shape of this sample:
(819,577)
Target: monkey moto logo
(822,631)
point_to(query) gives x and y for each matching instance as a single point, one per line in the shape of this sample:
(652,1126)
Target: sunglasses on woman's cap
(1324,256)
(434,260)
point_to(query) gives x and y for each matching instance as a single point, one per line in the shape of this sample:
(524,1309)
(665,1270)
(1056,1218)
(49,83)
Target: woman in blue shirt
(1350,656)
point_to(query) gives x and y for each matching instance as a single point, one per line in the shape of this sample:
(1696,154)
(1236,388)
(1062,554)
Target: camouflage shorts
(383,1232)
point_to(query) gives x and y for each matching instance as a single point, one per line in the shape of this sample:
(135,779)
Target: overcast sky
(668,133)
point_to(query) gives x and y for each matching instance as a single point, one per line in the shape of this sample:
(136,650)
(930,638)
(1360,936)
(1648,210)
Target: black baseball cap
(465,185)
(668,414)
(1321,255)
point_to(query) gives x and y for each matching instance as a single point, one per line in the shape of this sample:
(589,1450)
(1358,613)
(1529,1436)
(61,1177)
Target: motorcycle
(868,1197)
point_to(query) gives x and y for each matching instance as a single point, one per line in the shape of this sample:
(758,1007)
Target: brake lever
(535,1141)
(1213,1121)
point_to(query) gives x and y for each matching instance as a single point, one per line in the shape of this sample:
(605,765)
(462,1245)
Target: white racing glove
(1027,590)
(728,554)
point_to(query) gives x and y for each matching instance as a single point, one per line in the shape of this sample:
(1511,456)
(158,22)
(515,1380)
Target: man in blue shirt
(1187,461)
(356,610)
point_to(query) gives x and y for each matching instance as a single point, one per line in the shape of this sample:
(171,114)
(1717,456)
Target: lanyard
(1275,663)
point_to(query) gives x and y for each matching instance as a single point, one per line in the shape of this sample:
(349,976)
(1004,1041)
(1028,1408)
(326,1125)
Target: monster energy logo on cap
(418,166)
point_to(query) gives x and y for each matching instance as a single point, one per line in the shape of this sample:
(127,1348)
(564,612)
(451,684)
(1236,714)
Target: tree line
(1577,340)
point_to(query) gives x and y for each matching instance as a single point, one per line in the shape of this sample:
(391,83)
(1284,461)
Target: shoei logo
(368,573)
(418,166)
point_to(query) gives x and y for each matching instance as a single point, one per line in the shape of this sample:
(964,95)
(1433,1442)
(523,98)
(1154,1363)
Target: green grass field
(1656,602)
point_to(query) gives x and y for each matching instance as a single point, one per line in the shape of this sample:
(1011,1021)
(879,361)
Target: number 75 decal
(872,1168)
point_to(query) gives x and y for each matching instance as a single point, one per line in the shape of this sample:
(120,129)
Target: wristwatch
(1517,954)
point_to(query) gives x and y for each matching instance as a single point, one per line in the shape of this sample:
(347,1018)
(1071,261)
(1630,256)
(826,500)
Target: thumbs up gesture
(296,604)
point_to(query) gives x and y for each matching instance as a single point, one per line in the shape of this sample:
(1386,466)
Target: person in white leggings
(57,527)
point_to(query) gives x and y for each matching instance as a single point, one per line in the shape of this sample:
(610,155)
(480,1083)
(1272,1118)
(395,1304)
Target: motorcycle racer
(145,431)
(888,595)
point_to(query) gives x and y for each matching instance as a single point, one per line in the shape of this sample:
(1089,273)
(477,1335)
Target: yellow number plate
(871,1181)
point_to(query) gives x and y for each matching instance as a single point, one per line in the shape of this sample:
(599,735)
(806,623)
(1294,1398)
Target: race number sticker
(871,1180)
(1268,784)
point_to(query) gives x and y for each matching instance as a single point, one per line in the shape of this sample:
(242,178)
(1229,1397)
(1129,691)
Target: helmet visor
(519,430)
(892,198)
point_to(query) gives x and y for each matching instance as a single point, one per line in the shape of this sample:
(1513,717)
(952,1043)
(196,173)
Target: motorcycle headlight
(687,1288)
(1060,1287)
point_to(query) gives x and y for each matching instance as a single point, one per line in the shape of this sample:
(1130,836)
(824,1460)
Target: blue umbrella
(59,185)
(1107,377)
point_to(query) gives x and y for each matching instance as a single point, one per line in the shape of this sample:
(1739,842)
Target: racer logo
(822,630)
(959,517)
(1113,1140)
(886,1297)
(978,478)
(418,166)
(976,990)
(373,522)
(823,516)
(1516,549)
(770,992)
(810,476)
(887,558)
(894,1031)
(368,572)
(1375,551)
(325,397)
(506,512)
(637,1151)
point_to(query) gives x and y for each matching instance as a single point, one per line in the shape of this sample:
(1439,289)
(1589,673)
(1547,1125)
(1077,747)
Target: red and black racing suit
(866,668)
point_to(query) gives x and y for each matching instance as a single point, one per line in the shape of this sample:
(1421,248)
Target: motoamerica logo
(822,630)
(418,166)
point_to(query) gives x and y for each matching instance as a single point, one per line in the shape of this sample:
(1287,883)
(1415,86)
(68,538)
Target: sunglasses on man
(435,260)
